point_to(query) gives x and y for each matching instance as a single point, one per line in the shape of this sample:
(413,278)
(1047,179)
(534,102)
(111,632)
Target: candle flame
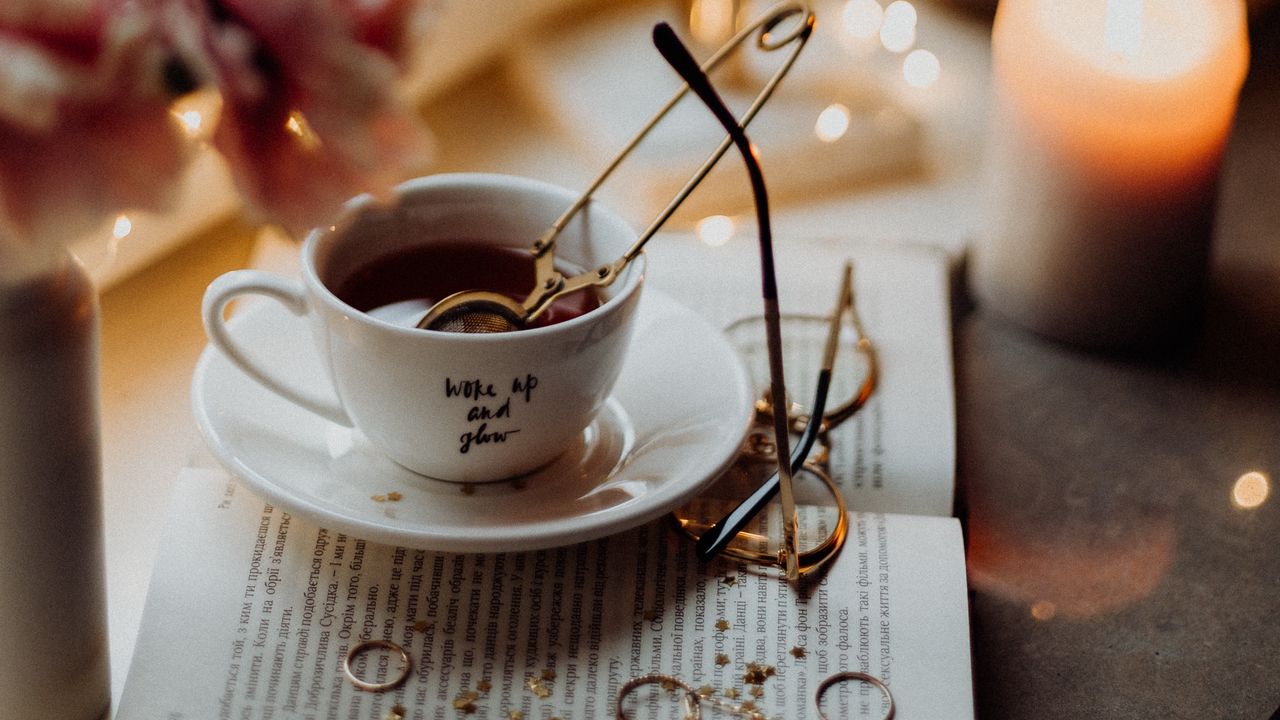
(1124,28)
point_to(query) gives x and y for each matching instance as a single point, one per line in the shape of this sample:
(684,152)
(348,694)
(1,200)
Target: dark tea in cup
(448,405)
(400,287)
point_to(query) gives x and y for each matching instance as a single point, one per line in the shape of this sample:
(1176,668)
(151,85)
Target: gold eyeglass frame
(807,560)
(812,559)
(835,416)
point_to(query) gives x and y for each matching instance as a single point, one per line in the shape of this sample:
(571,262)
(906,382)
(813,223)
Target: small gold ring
(363,647)
(860,676)
(693,703)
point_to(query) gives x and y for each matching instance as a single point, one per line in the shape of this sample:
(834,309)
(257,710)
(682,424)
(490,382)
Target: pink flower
(84,124)
(386,25)
(309,115)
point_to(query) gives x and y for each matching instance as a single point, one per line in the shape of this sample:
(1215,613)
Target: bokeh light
(921,68)
(898,30)
(122,227)
(1250,490)
(716,230)
(832,124)
(862,18)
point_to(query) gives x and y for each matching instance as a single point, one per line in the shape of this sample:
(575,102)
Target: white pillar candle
(1110,121)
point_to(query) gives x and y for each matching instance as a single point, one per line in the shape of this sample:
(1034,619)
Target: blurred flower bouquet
(309,115)
(308,118)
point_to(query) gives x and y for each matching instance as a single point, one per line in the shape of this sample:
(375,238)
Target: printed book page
(896,454)
(251,613)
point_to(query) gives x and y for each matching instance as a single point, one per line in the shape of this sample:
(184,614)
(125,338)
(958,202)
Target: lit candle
(1111,119)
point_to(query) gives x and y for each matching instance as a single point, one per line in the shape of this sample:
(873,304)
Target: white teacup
(452,406)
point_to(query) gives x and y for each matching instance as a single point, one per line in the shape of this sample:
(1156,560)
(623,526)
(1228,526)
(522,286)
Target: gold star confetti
(484,686)
(668,684)
(731,693)
(722,659)
(729,580)
(756,673)
(379,498)
(757,691)
(464,704)
(538,687)
(394,497)
(515,715)
(797,652)
(706,691)
(747,706)
(722,624)
(422,626)
(396,712)
(548,674)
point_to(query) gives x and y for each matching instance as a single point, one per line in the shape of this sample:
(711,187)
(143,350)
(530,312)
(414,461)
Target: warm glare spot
(298,127)
(921,68)
(862,18)
(898,31)
(191,121)
(711,21)
(122,227)
(1250,490)
(716,230)
(1043,610)
(832,124)
(197,113)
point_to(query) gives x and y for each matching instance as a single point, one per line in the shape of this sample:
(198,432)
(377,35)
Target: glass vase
(53,623)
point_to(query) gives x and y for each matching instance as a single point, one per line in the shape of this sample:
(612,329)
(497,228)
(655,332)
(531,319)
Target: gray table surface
(1111,574)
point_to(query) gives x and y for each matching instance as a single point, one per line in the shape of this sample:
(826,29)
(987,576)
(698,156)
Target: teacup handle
(288,293)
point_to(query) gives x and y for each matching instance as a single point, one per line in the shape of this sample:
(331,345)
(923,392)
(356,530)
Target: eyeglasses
(846,376)
(853,375)
(794,472)
(677,55)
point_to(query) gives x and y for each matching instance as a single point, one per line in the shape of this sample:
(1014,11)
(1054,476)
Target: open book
(251,611)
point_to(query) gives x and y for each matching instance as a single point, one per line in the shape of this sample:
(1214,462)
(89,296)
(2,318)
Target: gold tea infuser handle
(475,311)
(767,42)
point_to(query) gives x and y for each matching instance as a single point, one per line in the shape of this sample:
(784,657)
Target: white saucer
(677,416)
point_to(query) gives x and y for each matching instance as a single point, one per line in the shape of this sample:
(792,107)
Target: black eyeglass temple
(712,542)
(677,55)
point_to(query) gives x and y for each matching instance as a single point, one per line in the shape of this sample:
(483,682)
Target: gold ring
(860,676)
(693,703)
(367,645)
